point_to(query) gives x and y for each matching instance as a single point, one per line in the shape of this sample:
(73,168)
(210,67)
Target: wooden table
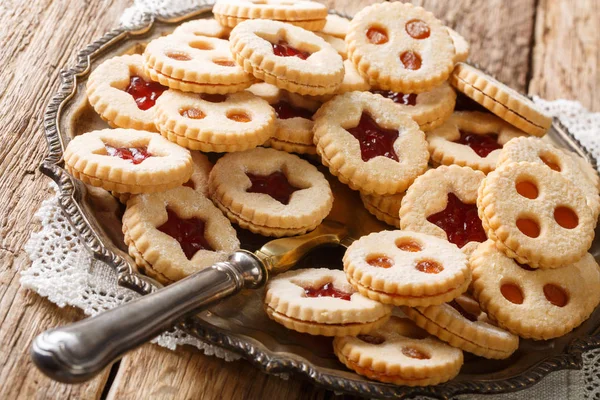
(544,47)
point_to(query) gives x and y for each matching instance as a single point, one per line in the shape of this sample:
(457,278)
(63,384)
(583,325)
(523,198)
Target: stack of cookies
(493,223)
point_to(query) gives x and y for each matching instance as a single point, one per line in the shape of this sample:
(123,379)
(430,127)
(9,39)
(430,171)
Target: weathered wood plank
(566,56)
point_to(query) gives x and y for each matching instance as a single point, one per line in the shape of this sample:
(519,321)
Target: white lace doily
(63,271)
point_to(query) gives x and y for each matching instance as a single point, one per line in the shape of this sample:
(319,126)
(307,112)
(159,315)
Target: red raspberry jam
(135,154)
(462,311)
(460,222)
(283,49)
(327,290)
(399,98)
(285,110)
(275,185)
(374,140)
(482,145)
(188,232)
(143,92)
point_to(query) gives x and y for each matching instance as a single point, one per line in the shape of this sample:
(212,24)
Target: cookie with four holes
(193,63)
(500,99)
(308,15)
(127,161)
(442,203)
(407,268)
(175,233)
(535,215)
(400,353)
(215,122)
(462,324)
(368,144)
(123,94)
(429,109)
(287,56)
(534,303)
(203,27)
(400,47)
(472,139)
(270,192)
(320,301)
(385,208)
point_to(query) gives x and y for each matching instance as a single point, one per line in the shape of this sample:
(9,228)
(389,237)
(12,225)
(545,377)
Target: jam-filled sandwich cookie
(442,203)
(127,161)
(368,144)
(400,47)
(322,302)
(287,56)
(462,324)
(500,99)
(309,15)
(461,46)
(338,44)
(336,26)
(384,208)
(407,268)
(535,215)
(472,139)
(429,109)
(270,192)
(352,82)
(123,94)
(193,63)
(532,149)
(401,353)
(204,27)
(215,122)
(175,233)
(534,303)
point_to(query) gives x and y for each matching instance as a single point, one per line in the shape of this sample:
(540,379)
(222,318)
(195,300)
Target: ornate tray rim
(69,196)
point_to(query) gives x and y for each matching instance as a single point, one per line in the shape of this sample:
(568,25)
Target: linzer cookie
(462,324)
(503,101)
(400,47)
(287,56)
(535,215)
(294,124)
(123,94)
(215,122)
(175,233)
(535,150)
(305,14)
(352,82)
(534,303)
(461,46)
(322,302)
(401,353)
(193,63)
(270,192)
(442,203)
(336,26)
(384,208)
(406,268)
(472,139)
(338,44)
(368,144)
(203,27)
(429,109)
(127,161)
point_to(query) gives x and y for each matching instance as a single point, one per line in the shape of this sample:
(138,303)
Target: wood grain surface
(547,47)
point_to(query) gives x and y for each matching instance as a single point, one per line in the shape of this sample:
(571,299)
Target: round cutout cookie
(406,268)
(400,353)
(442,203)
(287,56)
(215,123)
(203,27)
(368,144)
(127,161)
(507,103)
(400,47)
(472,139)
(384,208)
(534,303)
(270,192)
(307,14)
(122,93)
(320,301)
(175,233)
(535,215)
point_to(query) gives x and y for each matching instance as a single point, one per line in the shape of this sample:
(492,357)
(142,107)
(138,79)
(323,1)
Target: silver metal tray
(240,324)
